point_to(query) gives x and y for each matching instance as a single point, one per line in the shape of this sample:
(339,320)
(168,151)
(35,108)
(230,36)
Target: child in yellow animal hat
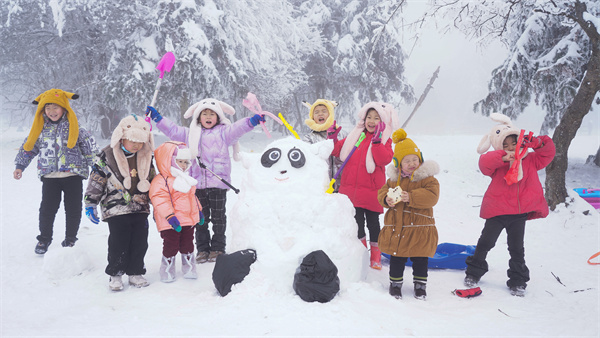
(409,226)
(66,151)
(321,116)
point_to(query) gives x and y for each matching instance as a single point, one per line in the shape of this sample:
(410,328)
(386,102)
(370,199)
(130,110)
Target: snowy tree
(554,61)
(107,51)
(362,57)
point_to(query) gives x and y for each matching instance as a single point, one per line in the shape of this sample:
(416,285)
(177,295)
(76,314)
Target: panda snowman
(284,213)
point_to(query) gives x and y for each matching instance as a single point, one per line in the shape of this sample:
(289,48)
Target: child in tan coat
(409,227)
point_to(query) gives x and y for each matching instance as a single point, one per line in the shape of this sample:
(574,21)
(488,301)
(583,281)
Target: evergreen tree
(554,62)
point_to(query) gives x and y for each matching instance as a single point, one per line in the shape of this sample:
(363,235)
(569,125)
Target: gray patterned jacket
(334,162)
(105,188)
(53,154)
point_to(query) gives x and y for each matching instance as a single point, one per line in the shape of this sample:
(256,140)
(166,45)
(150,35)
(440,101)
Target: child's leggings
(419,267)
(213,202)
(518,273)
(372,218)
(127,244)
(174,242)
(52,190)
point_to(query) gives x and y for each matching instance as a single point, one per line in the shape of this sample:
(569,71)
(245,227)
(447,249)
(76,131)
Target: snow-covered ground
(65,292)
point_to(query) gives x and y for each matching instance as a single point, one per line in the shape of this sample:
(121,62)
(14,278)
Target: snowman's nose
(283,172)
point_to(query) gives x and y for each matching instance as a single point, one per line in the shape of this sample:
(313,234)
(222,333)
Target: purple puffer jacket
(213,149)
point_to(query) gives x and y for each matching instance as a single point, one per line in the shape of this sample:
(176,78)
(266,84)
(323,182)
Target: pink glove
(378,132)
(333,131)
(533,142)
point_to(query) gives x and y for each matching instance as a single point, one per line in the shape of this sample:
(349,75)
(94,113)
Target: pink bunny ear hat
(498,133)
(219,107)
(387,114)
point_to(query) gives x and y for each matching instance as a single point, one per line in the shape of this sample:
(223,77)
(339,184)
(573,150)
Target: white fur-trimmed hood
(427,169)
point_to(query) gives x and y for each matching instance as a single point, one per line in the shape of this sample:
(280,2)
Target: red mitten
(468,293)
(333,131)
(533,142)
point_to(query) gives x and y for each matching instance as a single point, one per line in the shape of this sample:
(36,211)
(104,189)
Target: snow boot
(396,289)
(420,292)
(518,291)
(471,281)
(115,283)
(167,269)
(364,242)
(69,242)
(41,247)
(375,256)
(202,257)
(188,266)
(212,257)
(138,281)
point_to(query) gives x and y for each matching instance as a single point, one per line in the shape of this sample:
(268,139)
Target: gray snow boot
(188,266)
(396,289)
(420,292)
(167,269)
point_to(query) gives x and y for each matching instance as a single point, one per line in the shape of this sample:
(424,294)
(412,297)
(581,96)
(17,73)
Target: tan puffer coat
(409,228)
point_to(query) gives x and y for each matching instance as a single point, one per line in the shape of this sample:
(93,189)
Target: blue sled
(447,256)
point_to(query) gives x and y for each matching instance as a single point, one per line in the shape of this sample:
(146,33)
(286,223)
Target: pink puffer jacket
(165,199)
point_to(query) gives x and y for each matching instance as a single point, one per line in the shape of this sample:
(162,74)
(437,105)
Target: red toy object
(512,176)
(468,293)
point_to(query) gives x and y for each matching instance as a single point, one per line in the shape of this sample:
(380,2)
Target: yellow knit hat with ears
(404,146)
(61,98)
(310,122)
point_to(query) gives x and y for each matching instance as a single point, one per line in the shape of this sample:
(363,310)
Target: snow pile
(67,263)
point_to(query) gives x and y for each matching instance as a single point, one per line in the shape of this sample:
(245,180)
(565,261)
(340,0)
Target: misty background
(285,52)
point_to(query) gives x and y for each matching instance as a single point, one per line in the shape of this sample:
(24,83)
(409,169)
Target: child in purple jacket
(209,136)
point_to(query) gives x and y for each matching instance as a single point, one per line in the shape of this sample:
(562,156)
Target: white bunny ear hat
(219,107)
(498,133)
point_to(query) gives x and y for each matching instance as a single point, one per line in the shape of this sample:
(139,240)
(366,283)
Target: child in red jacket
(508,206)
(364,172)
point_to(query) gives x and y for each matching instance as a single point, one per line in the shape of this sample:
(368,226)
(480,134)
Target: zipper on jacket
(518,198)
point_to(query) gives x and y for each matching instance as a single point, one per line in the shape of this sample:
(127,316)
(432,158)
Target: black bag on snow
(316,279)
(231,269)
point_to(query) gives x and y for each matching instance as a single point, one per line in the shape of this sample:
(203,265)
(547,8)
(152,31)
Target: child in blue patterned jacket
(66,152)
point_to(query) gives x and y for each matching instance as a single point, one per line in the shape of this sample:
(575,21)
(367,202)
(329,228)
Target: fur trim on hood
(426,169)
(387,114)
(134,128)
(220,108)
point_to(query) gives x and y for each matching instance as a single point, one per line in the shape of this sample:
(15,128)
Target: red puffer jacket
(525,196)
(360,186)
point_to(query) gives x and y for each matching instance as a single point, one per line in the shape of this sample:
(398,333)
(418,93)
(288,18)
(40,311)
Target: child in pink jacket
(176,208)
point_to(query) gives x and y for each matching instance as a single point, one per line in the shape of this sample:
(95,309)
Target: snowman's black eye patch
(270,157)
(296,157)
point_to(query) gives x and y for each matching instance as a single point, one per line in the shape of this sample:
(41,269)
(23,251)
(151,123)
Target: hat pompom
(398,135)
(127,182)
(143,185)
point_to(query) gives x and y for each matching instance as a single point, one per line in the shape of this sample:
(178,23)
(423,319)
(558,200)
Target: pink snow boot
(167,269)
(364,242)
(188,266)
(375,256)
